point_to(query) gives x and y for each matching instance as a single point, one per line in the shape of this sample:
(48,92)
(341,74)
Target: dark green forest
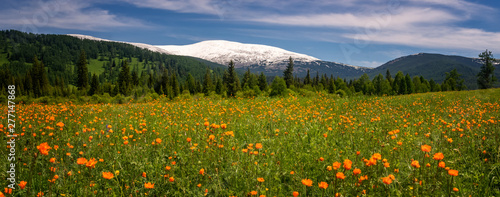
(61,66)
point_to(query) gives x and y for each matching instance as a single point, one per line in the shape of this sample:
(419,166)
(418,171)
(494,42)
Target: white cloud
(64,14)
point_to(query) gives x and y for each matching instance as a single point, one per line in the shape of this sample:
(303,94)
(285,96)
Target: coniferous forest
(61,66)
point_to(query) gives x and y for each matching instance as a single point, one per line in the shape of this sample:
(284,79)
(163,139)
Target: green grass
(464,126)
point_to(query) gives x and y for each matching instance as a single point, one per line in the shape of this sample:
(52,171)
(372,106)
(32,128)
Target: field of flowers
(433,144)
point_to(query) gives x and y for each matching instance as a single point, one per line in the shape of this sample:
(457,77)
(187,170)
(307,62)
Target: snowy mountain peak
(222,51)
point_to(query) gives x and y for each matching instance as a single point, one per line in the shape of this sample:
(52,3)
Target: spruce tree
(262,82)
(207,83)
(231,80)
(82,71)
(288,73)
(124,79)
(94,85)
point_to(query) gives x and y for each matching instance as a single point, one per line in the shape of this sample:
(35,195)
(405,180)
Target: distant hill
(434,66)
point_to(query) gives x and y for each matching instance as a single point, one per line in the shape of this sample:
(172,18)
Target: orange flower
(438,156)
(260,179)
(107,175)
(426,148)
(40,194)
(347,164)
(188,139)
(171,179)
(377,156)
(22,184)
(52,160)
(415,164)
(387,180)
(442,164)
(258,146)
(356,171)
(143,174)
(168,167)
(158,140)
(329,168)
(323,185)
(202,171)
(91,163)
(307,182)
(253,193)
(81,161)
(211,137)
(322,159)
(149,185)
(453,172)
(455,189)
(60,124)
(44,148)
(295,194)
(206,124)
(223,126)
(340,175)
(336,165)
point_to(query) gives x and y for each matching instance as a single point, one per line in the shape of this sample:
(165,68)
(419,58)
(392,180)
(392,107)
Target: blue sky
(357,32)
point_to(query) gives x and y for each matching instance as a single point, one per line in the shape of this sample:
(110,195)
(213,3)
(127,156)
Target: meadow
(431,144)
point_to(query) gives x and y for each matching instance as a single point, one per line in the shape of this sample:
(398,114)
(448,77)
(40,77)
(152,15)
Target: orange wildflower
(149,185)
(307,182)
(340,175)
(415,164)
(295,194)
(336,165)
(44,148)
(347,164)
(323,185)
(81,161)
(426,148)
(188,139)
(107,175)
(202,171)
(387,180)
(91,163)
(60,124)
(52,160)
(356,171)
(442,164)
(455,189)
(438,156)
(260,179)
(171,179)
(143,174)
(453,172)
(22,184)
(158,140)
(258,146)
(253,193)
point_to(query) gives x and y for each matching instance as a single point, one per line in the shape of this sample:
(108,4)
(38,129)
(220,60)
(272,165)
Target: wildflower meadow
(430,144)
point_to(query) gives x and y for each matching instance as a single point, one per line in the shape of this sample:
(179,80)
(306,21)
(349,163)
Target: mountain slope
(262,58)
(434,66)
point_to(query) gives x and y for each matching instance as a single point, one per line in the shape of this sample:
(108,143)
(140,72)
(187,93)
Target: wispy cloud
(64,14)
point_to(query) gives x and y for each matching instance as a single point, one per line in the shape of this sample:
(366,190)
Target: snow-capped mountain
(221,51)
(258,58)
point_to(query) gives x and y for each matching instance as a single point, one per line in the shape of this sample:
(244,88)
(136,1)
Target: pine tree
(82,71)
(191,84)
(486,78)
(410,89)
(288,73)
